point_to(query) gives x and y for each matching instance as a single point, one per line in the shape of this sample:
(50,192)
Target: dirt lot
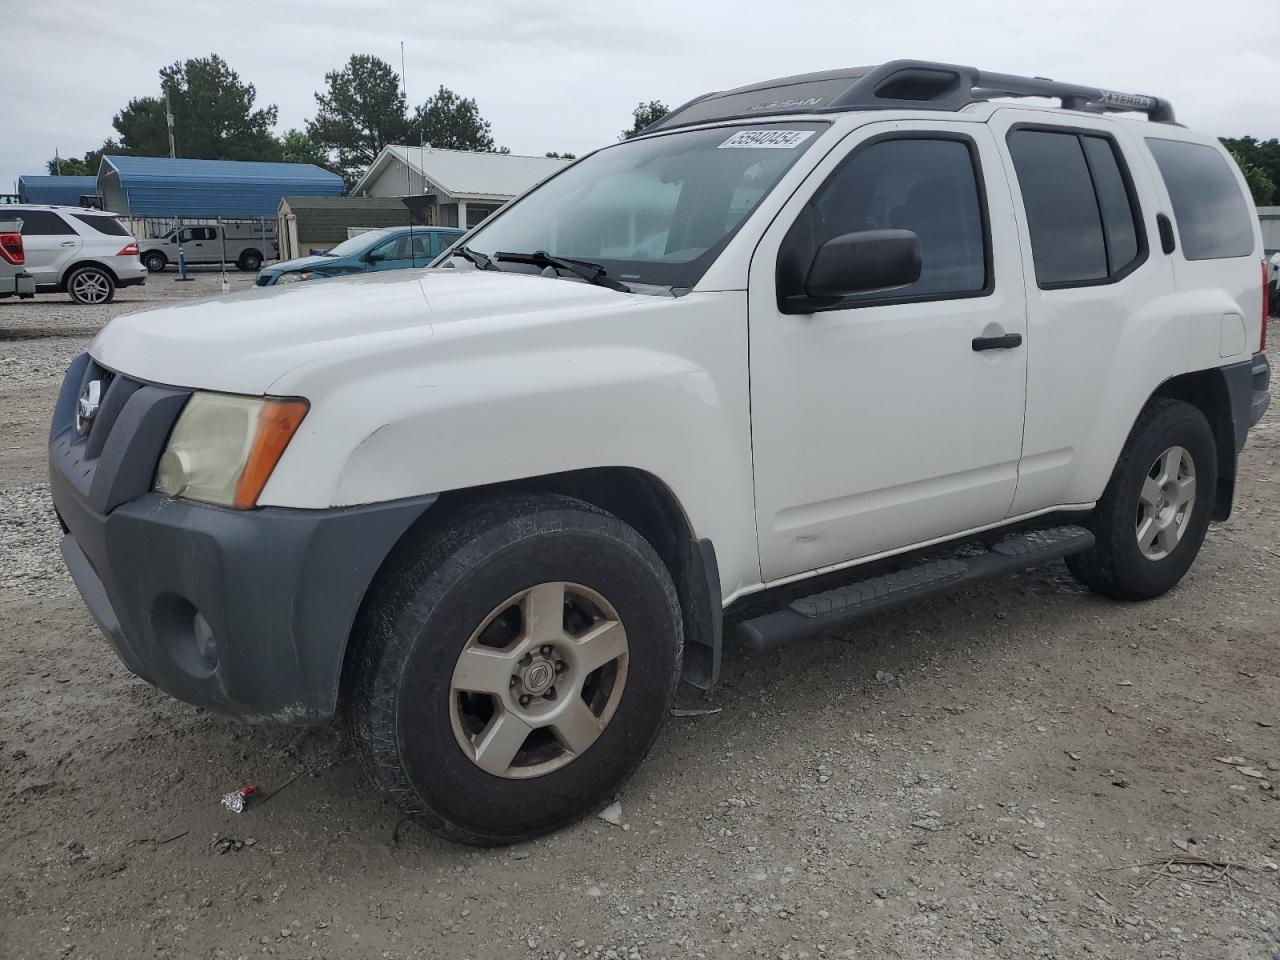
(1011,772)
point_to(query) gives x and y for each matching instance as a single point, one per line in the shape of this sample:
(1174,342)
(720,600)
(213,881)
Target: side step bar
(844,605)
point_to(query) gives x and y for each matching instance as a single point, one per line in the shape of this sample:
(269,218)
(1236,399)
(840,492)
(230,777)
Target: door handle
(67,243)
(1004,342)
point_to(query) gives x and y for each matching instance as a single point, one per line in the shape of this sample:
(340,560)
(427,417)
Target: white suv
(748,374)
(85,253)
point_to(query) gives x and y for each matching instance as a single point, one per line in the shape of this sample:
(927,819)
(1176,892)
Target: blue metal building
(64,190)
(205,189)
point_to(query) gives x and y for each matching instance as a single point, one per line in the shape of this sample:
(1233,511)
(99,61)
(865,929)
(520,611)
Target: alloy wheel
(1165,503)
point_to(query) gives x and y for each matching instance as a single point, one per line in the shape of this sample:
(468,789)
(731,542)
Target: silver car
(86,253)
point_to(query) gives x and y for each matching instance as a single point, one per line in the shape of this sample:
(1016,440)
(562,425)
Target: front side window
(1081,213)
(1214,221)
(44,223)
(656,210)
(926,185)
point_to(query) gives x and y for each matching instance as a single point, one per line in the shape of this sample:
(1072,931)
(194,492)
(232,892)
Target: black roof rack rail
(901,85)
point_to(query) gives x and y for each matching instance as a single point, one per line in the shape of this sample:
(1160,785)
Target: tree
(88,165)
(643,115)
(1262,157)
(297,147)
(69,167)
(451,122)
(213,111)
(561,156)
(362,111)
(1261,186)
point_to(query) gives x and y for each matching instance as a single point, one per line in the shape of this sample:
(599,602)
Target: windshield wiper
(481,260)
(588,271)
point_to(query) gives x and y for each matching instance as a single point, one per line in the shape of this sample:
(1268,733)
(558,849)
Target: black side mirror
(862,262)
(372,257)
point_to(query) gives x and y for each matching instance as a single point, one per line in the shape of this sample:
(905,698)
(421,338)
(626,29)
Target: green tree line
(360,110)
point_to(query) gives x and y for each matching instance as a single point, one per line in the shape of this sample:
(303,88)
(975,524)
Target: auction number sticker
(768,139)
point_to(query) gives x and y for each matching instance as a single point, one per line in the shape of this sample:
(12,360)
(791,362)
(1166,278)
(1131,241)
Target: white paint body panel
(795,443)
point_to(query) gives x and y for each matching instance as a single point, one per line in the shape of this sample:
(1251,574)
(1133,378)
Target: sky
(566,75)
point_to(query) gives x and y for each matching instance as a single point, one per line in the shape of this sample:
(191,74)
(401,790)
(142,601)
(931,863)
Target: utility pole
(168,119)
(57,162)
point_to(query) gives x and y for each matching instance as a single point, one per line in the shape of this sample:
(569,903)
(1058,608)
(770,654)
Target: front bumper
(246,613)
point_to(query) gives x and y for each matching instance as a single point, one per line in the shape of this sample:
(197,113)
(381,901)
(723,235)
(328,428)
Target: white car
(86,253)
(760,371)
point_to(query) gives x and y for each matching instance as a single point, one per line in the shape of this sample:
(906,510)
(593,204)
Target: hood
(244,342)
(302,263)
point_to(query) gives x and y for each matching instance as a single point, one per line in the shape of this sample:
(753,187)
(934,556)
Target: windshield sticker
(767,139)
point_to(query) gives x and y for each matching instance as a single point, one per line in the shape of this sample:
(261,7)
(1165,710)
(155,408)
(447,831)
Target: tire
(1118,565)
(419,637)
(155,261)
(90,286)
(250,260)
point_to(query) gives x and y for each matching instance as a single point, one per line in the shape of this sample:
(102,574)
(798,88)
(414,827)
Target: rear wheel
(155,261)
(1153,516)
(90,285)
(250,260)
(509,672)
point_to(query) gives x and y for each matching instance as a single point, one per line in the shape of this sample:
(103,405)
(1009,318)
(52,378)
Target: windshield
(654,211)
(358,244)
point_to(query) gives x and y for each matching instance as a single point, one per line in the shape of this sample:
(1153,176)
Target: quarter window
(1081,213)
(43,223)
(108,225)
(1213,218)
(925,185)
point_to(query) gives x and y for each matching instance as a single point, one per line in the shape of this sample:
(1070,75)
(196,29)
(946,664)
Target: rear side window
(1214,221)
(44,223)
(1082,215)
(926,185)
(108,225)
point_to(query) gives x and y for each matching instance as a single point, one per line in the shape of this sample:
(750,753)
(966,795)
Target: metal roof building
(64,190)
(164,187)
(462,187)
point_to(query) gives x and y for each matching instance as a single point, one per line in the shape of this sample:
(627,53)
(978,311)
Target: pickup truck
(245,244)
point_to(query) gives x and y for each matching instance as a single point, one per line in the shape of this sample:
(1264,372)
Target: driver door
(886,420)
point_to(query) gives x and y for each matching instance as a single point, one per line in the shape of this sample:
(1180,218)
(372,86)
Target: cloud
(565,76)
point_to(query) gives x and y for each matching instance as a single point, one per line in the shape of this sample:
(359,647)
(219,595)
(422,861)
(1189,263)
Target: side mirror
(862,262)
(372,257)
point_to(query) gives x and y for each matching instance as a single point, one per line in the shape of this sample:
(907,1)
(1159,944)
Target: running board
(844,605)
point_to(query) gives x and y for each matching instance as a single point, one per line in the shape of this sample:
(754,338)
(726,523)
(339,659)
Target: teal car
(392,248)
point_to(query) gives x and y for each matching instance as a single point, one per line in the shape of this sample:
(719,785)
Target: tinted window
(108,225)
(1214,221)
(43,223)
(1081,212)
(1062,214)
(1120,218)
(929,187)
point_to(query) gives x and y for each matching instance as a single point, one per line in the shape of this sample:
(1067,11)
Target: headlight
(294,277)
(223,448)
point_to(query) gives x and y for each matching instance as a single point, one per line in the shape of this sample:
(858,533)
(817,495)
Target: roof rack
(899,85)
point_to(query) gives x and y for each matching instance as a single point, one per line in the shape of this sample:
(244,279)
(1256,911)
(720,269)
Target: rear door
(1102,330)
(884,421)
(50,243)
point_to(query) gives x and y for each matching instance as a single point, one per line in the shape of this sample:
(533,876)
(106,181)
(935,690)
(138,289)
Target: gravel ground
(1011,772)
(56,314)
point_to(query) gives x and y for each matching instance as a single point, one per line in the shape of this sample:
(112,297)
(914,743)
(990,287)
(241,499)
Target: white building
(459,187)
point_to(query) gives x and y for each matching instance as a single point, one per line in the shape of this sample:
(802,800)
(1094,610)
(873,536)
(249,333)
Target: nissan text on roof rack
(756,373)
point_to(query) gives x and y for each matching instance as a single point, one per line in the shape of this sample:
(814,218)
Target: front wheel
(90,286)
(510,671)
(155,261)
(1153,516)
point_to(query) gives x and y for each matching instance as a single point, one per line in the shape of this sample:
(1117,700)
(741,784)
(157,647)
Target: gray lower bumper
(246,613)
